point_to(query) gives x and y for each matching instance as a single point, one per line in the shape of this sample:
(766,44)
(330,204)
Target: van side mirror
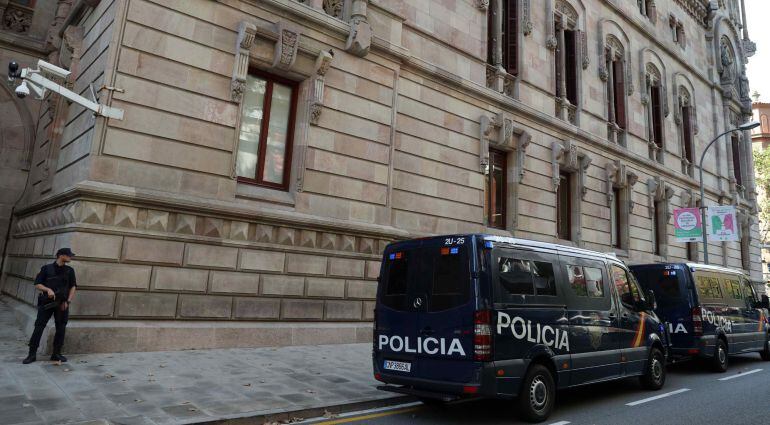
(652,304)
(764,303)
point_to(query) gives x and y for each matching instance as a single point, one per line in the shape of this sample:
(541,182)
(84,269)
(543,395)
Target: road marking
(738,375)
(363,415)
(645,400)
(561,423)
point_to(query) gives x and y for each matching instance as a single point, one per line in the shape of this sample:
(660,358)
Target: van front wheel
(655,375)
(538,394)
(765,353)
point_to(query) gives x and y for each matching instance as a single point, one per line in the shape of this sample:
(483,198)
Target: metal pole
(703,197)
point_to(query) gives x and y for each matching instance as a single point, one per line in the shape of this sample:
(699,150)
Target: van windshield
(666,281)
(440,275)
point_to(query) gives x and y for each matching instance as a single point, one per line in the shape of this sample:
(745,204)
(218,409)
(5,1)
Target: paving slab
(178,387)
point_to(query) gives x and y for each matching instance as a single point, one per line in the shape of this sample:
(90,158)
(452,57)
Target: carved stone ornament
(360,38)
(659,192)
(286,47)
(583,40)
(322,64)
(526,19)
(566,156)
(244,40)
(618,175)
(749,47)
(17,18)
(499,131)
(482,4)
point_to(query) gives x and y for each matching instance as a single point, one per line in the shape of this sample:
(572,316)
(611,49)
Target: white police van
(467,316)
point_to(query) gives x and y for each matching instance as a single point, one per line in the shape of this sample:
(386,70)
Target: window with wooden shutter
(570,65)
(558,66)
(564,207)
(510,37)
(687,134)
(620,92)
(491,39)
(657,116)
(737,160)
(496,189)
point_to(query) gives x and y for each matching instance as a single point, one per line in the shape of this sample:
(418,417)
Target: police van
(710,311)
(469,316)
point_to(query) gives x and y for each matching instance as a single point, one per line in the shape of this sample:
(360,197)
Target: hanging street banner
(722,224)
(687,225)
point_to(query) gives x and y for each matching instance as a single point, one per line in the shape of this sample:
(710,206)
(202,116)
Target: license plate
(398,366)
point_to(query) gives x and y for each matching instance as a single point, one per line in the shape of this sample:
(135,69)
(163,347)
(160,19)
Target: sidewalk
(180,386)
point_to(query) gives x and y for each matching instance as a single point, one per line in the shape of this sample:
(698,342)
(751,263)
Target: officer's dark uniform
(60,279)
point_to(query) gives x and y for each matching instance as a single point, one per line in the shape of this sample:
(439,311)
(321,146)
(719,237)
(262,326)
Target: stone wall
(389,143)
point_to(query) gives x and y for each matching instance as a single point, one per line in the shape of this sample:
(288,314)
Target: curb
(309,413)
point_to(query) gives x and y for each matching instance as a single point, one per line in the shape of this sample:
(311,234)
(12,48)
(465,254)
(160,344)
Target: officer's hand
(64,306)
(50,293)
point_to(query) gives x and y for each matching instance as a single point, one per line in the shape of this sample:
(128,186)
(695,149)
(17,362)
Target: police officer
(56,282)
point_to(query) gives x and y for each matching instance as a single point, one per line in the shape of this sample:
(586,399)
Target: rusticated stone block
(234,282)
(369,310)
(366,245)
(91,245)
(283,285)
(305,264)
(257,308)
(346,267)
(381,245)
(343,310)
(178,279)
(145,304)
(155,251)
(93,303)
(302,309)
(362,289)
(325,288)
(211,256)
(329,241)
(111,275)
(347,243)
(261,260)
(92,212)
(373,269)
(205,306)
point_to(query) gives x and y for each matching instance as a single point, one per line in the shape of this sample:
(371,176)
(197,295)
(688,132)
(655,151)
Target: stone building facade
(760,140)
(270,149)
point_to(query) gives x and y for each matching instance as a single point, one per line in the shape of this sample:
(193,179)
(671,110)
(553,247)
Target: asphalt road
(692,395)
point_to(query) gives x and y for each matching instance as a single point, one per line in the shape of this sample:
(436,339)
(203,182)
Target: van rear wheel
(720,360)
(538,394)
(655,375)
(765,353)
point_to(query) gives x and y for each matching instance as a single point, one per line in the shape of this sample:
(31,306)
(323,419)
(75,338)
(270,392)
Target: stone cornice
(698,9)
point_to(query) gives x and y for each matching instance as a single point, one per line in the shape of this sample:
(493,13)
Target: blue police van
(472,316)
(710,311)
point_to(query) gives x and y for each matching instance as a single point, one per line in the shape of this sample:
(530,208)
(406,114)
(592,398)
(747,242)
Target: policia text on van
(710,311)
(484,316)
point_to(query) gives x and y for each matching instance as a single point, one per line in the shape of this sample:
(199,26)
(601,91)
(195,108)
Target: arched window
(568,43)
(655,97)
(615,66)
(765,126)
(686,114)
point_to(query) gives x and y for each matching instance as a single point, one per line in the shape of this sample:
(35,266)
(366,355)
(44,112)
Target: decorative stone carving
(92,212)
(583,40)
(308,238)
(264,233)
(329,241)
(185,223)
(322,64)
(727,61)
(244,41)
(749,47)
(17,18)
(360,38)
(286,236)
(213,227)
(366,245)
(658,191)
(500,129)
(286,47)
(157,220)
(567,11)
(239,230)
(566,156)
(526,17)
(334,8)
(126,216)
(482,4)
(347,243)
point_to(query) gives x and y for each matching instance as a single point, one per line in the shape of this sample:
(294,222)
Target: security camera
(51,70)
(13,71)
(22,91)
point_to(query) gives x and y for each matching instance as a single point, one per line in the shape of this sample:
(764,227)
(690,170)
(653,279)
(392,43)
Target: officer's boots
(31,356)
(57,357)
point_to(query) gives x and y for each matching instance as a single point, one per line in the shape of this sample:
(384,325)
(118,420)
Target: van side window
(586,281)
(515,276)
(526,277)
(748,293)
(450,281)
(396,280)
(733,287)
(629,293)
(708,287)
